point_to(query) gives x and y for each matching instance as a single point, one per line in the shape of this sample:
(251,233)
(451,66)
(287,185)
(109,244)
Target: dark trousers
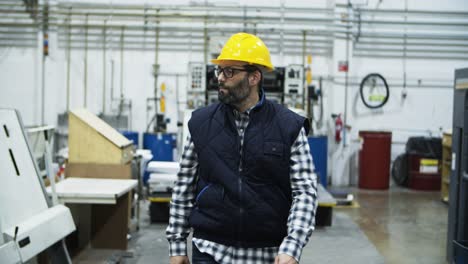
(201,258)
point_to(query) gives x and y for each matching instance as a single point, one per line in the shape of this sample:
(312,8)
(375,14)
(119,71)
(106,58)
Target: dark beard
(236,93)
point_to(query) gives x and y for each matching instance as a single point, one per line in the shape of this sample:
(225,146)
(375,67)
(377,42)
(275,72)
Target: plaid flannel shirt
(301,220)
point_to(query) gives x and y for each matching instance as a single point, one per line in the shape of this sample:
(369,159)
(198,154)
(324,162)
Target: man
(246,184)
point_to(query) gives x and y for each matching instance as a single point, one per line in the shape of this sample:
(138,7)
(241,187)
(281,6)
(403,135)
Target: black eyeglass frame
(231,71)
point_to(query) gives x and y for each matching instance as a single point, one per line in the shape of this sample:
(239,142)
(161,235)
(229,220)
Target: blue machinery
(162,145)
(319,149)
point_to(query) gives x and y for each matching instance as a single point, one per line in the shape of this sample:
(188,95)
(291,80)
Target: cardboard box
(94,170)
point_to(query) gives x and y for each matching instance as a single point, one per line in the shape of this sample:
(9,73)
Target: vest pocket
(201,192)
(275,149)
(211,196)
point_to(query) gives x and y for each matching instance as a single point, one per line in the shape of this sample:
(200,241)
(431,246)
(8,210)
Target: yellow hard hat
(245,47)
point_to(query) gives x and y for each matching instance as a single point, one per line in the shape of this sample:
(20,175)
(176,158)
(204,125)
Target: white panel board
(42,230)
(21,195)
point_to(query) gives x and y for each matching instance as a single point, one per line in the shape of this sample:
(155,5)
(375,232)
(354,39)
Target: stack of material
(163,175)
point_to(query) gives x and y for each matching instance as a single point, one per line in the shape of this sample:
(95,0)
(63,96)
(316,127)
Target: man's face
(235,89)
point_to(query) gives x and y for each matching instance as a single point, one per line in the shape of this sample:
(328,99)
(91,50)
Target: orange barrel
(374,159)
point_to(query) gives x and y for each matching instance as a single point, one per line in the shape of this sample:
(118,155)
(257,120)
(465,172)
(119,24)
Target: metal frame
(458,211)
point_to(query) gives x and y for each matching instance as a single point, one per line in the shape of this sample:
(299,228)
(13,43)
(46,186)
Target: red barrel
(374,159)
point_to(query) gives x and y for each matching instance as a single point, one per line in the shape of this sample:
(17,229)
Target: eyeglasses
(228,71)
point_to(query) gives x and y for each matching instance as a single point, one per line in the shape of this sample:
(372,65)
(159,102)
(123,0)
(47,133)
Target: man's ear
(254,78)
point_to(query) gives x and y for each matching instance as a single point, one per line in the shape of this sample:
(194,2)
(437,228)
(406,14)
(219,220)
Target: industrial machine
(211,84)
(29,222)
(457,235)
(273,83)
(284,85)
(196,90)
(294,86)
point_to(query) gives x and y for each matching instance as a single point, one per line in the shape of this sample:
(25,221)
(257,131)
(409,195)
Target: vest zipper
(239,182)
(241,210)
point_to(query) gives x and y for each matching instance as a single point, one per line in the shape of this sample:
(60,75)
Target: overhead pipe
(267,19)
(185,32)
(348,40)
(296,50)
(112,80)
(423,57)
(414,44)
(201,8)
(104,73)
(85,71)
(205,51)
(172,29)
(201,50)
(356,84)
(45,32)
(79,41)
(409,12)
(155,74)
(205,43)
(414,23)
(183,28)
(185,35)
(335,31)
(419,50)
(409,37)
(20,32)
(177,17)
(415,49)
(264,19)
(121,103)
(281,31)
(297,33)
(68,62)
(325,44)
(19,45)
(405,39)
(95,39)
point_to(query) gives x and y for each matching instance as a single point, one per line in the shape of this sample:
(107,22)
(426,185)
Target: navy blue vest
(243,203)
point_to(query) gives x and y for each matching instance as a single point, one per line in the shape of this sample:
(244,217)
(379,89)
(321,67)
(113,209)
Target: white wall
(423,109)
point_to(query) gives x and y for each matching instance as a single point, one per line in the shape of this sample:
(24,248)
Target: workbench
(107,222)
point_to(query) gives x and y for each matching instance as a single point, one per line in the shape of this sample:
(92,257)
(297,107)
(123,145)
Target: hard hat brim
(267,67)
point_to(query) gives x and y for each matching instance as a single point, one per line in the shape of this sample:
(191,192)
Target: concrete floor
(394,226)
(405,226)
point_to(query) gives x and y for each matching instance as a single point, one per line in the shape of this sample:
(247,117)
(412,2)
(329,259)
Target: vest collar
(259,104)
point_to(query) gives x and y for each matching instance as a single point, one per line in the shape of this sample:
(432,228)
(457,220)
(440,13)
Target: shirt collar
(259,104)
